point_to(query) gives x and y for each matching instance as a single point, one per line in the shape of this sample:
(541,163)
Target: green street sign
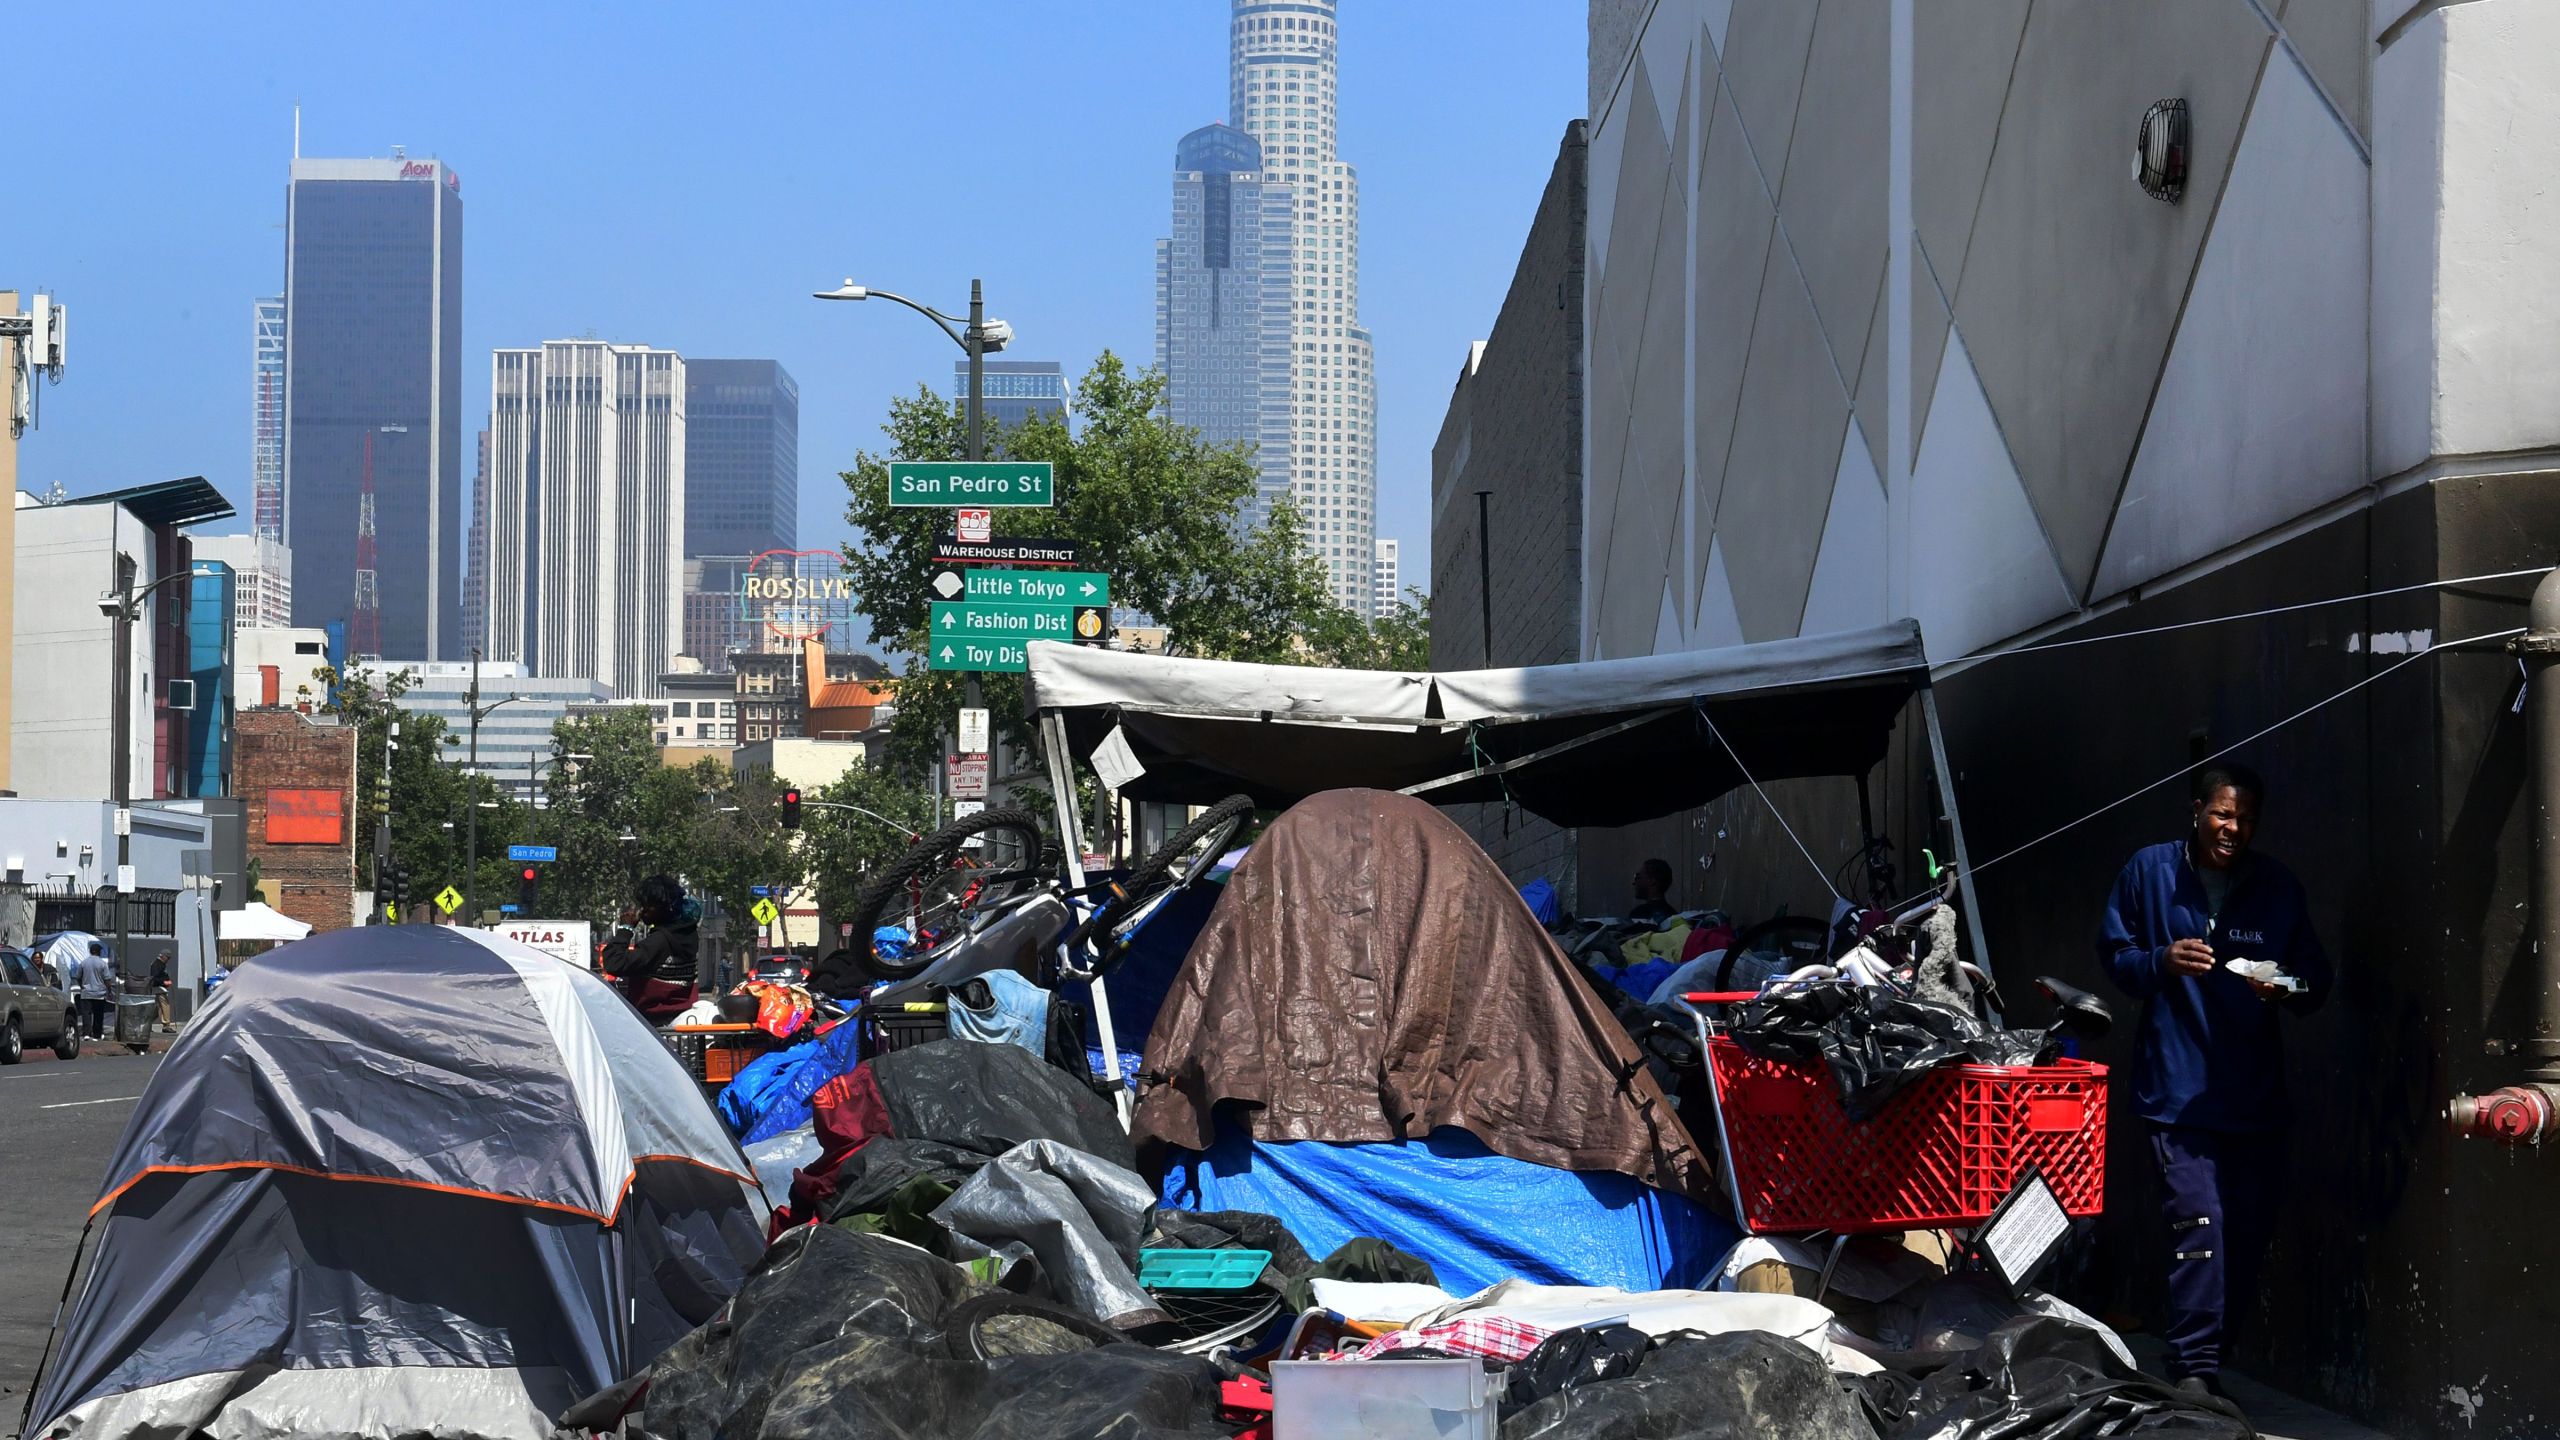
(1003,622)
(962,653)
(945,484)
(1038,587)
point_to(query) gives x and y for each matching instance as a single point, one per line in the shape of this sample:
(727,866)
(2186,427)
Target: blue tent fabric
(1145,974)
(1478,1217)
(1540,896)
(770,1094)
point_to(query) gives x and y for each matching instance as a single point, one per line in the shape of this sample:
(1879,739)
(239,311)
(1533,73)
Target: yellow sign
(1089,623)
(390,914)
(764,912)
(448,900)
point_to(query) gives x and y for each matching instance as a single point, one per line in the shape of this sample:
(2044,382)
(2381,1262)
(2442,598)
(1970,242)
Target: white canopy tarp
(260,921)
(1605,742)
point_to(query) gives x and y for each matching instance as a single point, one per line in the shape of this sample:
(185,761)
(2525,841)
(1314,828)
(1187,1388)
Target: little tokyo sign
(978,483)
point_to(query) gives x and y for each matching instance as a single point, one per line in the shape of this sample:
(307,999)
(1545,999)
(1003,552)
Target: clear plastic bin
(1382,1400)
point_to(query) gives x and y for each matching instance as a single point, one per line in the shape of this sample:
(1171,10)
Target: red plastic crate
(1944,1152)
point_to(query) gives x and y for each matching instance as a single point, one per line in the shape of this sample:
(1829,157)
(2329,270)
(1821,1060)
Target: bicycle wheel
(1181,860)
(930,890)
(990,1327)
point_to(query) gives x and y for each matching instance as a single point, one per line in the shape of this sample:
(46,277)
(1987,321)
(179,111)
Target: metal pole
(2539,649)
(977,371)
(471,799)
(126,604)
(1484,568)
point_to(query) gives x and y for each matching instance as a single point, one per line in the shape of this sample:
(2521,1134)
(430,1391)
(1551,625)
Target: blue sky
(683,176)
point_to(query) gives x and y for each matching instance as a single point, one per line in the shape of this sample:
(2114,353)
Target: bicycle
(977,896)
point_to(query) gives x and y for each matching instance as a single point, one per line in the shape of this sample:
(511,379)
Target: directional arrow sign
(963,653)
(975,483)
(1039,587)
(1004,622)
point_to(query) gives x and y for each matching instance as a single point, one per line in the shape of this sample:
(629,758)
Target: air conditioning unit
(181,696)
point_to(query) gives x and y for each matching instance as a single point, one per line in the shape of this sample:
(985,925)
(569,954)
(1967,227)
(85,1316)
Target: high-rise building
(372,347)
(475,555)
(1014,390)
(1222,303)
(1386,572)
(741,457)
(266,425)
(1280,90)
(586,512)
(262,578)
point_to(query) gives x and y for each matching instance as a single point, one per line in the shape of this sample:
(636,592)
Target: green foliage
(1147,500)
(1397,640)
(841,847)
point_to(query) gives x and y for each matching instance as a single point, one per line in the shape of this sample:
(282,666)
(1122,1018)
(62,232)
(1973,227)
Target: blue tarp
(1478,1217)
(770,1094)
(1144,976)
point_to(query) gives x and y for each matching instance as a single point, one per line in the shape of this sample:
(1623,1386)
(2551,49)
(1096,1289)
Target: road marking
(110,1100)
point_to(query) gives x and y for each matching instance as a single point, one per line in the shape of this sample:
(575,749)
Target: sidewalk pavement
(2276,1415)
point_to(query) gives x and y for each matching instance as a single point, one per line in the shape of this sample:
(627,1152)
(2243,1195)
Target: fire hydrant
(2516,1115)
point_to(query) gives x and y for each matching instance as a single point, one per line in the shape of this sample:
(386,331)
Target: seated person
(1653,892)
(657,972)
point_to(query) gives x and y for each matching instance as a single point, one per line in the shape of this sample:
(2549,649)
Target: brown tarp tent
(1370,975)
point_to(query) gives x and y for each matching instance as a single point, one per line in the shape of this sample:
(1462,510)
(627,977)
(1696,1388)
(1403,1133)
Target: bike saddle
(2082,1013)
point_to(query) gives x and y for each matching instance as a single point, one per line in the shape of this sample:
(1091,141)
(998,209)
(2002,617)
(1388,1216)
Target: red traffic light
(791,808)
(531,874)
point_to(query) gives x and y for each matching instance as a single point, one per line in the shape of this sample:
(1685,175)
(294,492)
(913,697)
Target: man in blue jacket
(2209,1082)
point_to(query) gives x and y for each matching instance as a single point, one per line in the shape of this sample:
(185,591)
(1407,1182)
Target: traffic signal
(791,808)
(528,883)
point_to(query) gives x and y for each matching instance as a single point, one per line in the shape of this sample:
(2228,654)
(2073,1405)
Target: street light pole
(123,605)
(976,345)
(471,797)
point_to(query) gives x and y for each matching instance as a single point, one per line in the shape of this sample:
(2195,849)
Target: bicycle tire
(934,856)
(1154,875)
(1000,1324)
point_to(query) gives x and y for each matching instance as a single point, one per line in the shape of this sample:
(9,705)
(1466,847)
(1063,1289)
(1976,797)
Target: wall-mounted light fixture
(2160,151)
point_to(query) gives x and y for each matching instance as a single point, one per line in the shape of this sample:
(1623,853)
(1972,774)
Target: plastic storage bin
(917,1022)
(1943,1152)
(1382,1400)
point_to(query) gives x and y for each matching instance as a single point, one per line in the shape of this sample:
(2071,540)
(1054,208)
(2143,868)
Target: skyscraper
(1280,90)
(266,426)
(1386,575)
(475,555)
(585,531)
(372,346)
(741,457)
(1222,303)
(1014,390)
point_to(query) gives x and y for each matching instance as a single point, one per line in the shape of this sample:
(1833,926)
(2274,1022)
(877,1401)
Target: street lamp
(123,605)
(978,336)
(471,780)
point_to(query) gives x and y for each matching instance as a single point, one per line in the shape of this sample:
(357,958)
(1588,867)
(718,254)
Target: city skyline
(1223,300)
(1436,240)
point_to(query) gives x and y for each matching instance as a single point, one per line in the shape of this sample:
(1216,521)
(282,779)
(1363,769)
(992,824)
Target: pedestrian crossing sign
(448,900)
(764,911)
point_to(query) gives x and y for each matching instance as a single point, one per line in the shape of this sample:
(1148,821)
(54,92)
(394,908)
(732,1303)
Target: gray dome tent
(402,1180)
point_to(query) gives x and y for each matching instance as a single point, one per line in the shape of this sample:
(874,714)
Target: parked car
(33,1011)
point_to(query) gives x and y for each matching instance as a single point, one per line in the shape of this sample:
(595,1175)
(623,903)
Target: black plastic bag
(1584,1355)
(990,1098)
(2039,1378)
(883,1167)
(1874,1040)
(1740,1386)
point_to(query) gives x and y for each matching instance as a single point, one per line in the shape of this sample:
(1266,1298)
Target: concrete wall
(62,722)
(1514,428)
(2329,369)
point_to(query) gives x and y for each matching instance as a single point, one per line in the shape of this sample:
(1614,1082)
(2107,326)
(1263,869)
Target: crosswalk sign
(448,900)
(765,911)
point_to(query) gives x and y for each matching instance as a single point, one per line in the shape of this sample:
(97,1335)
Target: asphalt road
(59,1123)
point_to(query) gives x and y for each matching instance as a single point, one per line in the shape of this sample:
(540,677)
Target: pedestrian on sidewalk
(162,982)
(2209,1078)
(96,977)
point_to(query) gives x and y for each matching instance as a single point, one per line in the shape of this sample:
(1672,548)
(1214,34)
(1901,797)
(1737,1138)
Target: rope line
(2185,770)
(1971,660)
(1819,872)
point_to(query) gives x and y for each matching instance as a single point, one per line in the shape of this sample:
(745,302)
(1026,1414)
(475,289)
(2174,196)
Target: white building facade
(585,532)
(1280,84)
(1388,574)
(262,571)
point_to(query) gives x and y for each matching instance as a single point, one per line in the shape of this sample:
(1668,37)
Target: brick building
(1514,428)
(295,776)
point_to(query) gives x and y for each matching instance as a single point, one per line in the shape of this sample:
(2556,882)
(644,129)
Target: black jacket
(670,952)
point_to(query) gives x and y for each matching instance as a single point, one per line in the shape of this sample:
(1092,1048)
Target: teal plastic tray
(1200,1269)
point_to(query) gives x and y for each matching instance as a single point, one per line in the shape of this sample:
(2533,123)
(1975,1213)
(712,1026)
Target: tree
(841,847)
(1146,499)
(1397,640)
